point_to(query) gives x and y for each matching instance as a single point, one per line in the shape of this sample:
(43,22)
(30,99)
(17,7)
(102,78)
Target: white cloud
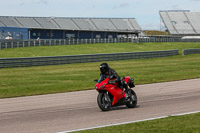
(123,5)
(40,2)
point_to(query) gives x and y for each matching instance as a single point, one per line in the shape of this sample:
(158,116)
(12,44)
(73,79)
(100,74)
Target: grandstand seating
(134,24)
(84,24)
(46,23)
(64,23)
(27,22)
(181,22)
(121,24)
(104,24)
(194,18)
(9,22)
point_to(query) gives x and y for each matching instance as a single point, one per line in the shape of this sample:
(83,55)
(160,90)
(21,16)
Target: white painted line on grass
(122,123)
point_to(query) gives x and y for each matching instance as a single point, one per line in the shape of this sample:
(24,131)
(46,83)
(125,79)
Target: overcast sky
(146,12)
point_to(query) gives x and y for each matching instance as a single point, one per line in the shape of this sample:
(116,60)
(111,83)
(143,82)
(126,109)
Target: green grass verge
(172,124)
(93,49)
(15,82)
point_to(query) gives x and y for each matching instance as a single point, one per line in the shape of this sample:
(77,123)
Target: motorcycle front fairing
(117,94)
(102,85)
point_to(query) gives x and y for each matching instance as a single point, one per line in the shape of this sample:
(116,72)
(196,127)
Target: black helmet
(104,68)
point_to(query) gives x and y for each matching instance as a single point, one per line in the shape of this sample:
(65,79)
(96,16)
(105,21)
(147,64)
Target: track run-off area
(79,110)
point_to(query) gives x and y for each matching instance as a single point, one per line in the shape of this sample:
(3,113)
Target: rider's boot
(126,91)
(126,87)
(121,87)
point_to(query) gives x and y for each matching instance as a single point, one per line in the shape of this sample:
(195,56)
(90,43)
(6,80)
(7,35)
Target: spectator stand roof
(79,24)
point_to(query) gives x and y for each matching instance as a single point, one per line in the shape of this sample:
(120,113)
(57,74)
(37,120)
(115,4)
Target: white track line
(122,123)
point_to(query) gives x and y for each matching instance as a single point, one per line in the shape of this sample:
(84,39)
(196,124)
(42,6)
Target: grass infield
(93,49)
(173,124)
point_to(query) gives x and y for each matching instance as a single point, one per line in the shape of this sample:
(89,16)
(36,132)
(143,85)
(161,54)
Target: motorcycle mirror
(96,80)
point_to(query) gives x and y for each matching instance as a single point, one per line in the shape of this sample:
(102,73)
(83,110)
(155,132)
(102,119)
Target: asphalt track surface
(75,110)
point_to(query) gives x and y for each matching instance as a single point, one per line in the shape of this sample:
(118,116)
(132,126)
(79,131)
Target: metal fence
(166,39)
(33,43)
(56,60)
(191,51)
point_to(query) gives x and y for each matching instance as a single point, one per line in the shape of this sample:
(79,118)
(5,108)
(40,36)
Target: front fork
(107,97)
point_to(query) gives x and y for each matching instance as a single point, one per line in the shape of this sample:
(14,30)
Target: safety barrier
(191,51)
(56,60)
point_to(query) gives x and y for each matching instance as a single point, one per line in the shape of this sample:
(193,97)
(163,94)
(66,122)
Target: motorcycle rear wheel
(103,103)
(133,99)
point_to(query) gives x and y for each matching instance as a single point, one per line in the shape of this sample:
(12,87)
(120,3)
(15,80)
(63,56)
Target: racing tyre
(104,101)
(133,99)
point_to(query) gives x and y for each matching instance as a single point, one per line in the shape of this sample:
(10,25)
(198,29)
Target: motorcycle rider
(106,70)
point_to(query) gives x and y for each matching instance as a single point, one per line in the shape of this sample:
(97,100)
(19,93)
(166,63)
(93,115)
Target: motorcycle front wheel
(133,99)
(104,101)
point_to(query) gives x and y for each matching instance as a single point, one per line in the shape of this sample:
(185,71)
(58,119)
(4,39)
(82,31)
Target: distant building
(65,28)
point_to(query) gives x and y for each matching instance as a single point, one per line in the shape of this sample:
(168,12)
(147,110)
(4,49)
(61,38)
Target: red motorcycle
(111,95)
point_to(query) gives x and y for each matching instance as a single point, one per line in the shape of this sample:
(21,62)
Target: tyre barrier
(57,60)
(191,51)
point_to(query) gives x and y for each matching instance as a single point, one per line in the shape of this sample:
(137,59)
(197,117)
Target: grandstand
(181,22)
(63,27)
